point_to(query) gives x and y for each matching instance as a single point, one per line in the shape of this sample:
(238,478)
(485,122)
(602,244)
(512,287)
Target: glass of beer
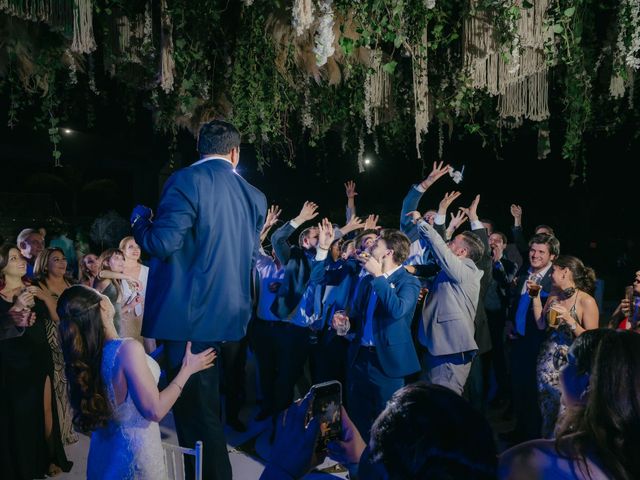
(341,322)
(552,316)
(534,286)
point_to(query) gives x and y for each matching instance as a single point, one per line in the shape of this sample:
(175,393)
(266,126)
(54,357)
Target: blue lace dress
(129,447)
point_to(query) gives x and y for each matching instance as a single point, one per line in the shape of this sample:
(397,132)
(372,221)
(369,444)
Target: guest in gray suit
(450,308)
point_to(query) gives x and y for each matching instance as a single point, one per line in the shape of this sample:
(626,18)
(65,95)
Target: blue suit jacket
(203,240)
(397,297)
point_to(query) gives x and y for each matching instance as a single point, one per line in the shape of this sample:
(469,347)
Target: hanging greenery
(376,72)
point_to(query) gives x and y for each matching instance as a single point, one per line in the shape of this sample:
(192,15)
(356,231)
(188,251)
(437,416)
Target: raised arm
(350,190)
(281,235)
(518,234)
(273,214)
(150,402)
(410,202)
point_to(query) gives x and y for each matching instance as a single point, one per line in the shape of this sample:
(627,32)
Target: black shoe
(237,425)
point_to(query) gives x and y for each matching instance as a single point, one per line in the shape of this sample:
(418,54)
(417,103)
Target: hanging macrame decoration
(58,14)
(302,16)
(377,92)
(83,40)
(167,64)
(421,104)
(518,78)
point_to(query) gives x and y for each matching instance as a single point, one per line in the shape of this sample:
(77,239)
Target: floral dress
(556,345)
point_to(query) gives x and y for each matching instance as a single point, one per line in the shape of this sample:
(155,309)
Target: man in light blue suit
(203,241)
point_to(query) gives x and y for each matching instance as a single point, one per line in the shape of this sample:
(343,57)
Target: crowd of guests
(427,327)
(35,382)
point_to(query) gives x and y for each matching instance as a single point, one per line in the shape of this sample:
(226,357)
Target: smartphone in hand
(326,408)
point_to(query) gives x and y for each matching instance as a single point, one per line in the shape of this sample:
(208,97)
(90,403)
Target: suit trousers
(523,359)
(197,412)
(450,371)
(329,359)
(368,390)
(233,359)
(281,349)
(497,320)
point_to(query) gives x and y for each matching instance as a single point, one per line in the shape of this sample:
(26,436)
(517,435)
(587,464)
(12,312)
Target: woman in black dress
(30,443)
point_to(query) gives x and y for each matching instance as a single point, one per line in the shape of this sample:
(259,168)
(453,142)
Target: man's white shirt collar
(213,157)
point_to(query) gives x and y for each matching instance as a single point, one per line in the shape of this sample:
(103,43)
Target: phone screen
(327,400)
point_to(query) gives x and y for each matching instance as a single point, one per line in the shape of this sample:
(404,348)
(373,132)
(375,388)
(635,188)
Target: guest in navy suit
(382,352)
(203,241)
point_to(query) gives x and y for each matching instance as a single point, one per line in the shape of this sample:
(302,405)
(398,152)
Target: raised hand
(472,211)
(457,220)
(326,235)
(516,211)
(354,223)
(371,223)
(350,189)
(446,202)
(437,171)
(308,212)
(272,216)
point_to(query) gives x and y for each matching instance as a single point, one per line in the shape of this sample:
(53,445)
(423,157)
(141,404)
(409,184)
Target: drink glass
(552,317)
(534,288)
(341,322)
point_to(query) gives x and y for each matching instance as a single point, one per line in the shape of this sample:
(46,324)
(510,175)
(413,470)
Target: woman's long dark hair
(585,277)
(83,339)
(610,426)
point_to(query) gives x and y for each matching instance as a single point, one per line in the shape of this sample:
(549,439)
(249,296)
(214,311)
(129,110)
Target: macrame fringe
(421,100)
(302,16)
(83,40)
(58,14)
(520,81)
(167,65)
(377,92)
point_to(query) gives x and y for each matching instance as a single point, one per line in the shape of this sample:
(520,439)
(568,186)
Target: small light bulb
(367,161)
(67,131)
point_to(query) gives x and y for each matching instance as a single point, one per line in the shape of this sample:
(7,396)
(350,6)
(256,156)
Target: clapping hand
(350,189)
(309,211)
(437,172)
(446,202)
(326,235)
(516,211)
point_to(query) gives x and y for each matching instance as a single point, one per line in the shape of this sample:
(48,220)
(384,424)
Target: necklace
(567,293)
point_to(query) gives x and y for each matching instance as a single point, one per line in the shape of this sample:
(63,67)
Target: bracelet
(177,385)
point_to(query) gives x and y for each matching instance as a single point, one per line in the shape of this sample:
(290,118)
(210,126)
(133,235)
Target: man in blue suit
(203,241)
(382,352)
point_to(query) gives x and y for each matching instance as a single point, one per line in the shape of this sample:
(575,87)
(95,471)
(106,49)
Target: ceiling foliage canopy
(373,72)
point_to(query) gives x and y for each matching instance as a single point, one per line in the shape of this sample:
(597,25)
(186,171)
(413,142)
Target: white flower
(324,37)
(302,15)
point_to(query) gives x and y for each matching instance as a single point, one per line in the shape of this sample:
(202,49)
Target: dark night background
(116,165)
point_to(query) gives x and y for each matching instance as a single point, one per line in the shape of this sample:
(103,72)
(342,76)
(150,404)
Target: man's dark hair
(491,223)
(398,242)
(502,236)
(217,138)
(545,239)
(427,431)
(546,227)
(473,244)
(364,233)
